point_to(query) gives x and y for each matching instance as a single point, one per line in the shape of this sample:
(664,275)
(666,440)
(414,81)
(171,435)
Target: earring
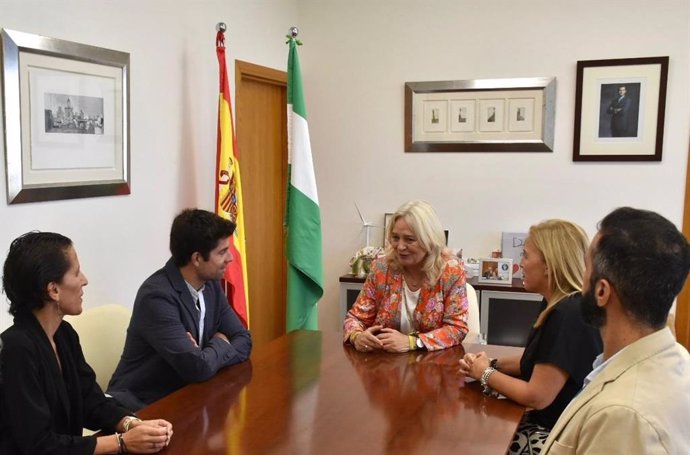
(60,313)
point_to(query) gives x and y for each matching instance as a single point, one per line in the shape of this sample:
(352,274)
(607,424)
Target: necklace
(413,283)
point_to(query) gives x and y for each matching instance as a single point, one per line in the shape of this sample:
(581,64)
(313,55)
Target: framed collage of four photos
(480,115)
(619,109)
(66,119)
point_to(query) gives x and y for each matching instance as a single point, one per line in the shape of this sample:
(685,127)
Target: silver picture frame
(480,115)
(65,119)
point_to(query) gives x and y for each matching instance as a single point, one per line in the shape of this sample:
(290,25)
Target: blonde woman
(414,296)
(561,346)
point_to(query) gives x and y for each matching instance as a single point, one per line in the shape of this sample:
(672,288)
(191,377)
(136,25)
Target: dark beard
(591,313)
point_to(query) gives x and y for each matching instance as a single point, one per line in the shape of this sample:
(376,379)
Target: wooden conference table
(306,393)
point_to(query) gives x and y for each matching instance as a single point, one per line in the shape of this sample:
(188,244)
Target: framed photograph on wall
(66,119)
(619,109)
(481,115)
(462,116)
(435,112)
(496,271)
(521,114)
(491,115)
(387,218)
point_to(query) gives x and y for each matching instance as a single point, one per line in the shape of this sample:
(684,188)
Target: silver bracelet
(118,439)
(484,380)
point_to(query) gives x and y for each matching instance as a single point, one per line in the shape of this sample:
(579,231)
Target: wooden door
(261,112)
(683,303)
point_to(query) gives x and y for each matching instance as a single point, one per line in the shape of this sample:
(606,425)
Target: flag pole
(221,28)
(229,201)
(303,214)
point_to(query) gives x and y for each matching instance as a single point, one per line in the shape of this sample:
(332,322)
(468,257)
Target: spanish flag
(229,192)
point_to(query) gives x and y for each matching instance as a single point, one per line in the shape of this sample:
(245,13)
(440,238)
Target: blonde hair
(422,220)
(562,246)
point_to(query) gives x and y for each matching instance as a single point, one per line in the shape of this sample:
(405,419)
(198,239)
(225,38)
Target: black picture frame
(620,106)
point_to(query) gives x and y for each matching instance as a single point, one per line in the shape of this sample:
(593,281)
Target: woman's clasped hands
(366,340)
(148,436)
(379,338)
(473,365)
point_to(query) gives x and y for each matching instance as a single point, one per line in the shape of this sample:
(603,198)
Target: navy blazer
(159,357)
(44,407)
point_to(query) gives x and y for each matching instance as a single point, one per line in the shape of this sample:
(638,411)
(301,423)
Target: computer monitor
(507,317)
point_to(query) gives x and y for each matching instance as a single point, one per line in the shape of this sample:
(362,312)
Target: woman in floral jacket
(414,296)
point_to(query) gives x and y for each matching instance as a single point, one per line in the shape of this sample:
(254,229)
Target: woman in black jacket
(48,393)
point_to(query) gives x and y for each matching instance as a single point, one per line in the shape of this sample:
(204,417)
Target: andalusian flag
(229,192)
(303,218)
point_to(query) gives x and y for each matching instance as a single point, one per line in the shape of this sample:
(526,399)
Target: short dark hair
(195,230)
(645,258)
(35,259)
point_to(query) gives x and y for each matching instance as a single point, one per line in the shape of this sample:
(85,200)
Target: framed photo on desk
(496,271)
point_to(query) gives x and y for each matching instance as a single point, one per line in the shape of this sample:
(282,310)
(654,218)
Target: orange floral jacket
(440,315)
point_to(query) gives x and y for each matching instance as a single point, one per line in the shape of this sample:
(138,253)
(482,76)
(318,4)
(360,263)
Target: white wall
(356,57)
(174,92)
(358,54)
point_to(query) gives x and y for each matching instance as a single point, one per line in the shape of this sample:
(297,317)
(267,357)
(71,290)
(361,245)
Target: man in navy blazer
(182,329)
(619,109)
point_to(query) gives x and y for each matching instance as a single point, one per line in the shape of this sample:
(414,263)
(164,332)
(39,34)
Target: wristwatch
(419,343)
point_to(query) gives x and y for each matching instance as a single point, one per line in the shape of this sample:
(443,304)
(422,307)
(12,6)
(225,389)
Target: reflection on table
(307,393)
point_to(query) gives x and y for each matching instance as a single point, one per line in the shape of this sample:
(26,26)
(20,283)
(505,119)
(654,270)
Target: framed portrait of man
(619,109)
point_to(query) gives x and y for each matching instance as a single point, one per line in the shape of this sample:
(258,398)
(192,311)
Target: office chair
(473,326)
(102,331)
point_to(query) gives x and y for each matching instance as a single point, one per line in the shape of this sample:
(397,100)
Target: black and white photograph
(73,114)
(462,115)
(480,115)
(492,114)
(463,118)
(619,109)
(435,115)
(521,115)
(68,134)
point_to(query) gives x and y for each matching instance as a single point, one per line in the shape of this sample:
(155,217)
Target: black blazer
(42,409)
(158,357)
